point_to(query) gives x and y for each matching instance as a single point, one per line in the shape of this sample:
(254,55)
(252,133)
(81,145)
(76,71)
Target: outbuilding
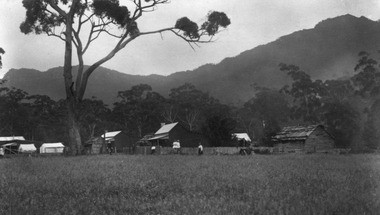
(312,138)
(117,139)
(9,144)
(242,138)
(167,134)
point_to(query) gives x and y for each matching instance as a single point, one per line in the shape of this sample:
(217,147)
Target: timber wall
(319,141)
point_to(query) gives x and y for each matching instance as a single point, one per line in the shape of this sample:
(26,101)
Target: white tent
(52,148)
(27,148)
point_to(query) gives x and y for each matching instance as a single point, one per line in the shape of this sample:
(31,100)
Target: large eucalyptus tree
(80,22)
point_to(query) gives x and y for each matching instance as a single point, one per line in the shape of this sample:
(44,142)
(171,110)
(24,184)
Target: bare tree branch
(55,35)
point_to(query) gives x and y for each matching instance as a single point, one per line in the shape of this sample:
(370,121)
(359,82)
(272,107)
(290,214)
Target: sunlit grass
(122,184)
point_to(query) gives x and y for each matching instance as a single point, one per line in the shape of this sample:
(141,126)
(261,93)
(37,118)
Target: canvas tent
(52,148)
(27,148)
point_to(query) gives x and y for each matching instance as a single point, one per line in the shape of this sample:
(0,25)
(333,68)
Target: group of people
(177,147)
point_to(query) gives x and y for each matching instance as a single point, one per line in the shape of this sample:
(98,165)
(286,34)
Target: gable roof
(110,135)
(166,128)
(242,136)
(296,133)
(53,145)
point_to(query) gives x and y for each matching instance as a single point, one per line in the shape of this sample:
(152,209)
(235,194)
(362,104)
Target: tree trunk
(74,133)
(71,94)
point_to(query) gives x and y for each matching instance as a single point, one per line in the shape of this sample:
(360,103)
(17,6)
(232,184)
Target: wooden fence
(183,151)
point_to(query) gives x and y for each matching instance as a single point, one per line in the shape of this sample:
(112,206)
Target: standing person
(153,149)
(176,146)
(200,149)
(109,148)
(1,152)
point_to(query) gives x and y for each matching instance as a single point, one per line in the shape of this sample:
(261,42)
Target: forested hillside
(328,51)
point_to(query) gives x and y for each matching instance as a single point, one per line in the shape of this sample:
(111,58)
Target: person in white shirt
(1,152)
(176,146)
(200,149)
(153,149)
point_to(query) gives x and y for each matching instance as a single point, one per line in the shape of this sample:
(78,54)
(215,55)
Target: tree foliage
(139,109)
(219,125)
(306,93)
(191,104)
(367,80)
(342,121)
(13,110)
(269,111)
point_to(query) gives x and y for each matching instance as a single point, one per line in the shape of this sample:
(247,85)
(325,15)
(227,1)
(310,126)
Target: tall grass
(121,184)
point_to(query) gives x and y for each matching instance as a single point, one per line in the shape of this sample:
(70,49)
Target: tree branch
(58,9)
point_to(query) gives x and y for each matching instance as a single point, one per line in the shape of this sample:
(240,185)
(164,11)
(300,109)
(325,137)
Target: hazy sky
(253,23)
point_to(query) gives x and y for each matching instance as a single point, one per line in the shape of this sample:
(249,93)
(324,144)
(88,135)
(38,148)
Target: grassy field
(257,184)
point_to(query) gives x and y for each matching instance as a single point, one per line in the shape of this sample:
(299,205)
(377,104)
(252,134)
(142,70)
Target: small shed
(242,138)
(118,140)
(312,138)
(9,144)
(166,135)
(52,148)
(95,145)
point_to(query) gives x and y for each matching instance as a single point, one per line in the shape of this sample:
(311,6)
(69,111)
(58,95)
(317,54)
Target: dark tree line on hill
(348,108)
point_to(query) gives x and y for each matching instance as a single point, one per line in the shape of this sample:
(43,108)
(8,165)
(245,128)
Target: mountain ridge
(327,51)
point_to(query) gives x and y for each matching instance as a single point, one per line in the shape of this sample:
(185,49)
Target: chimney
(162,124)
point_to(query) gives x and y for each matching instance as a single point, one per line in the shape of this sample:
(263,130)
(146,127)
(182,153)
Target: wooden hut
(95,146)
(242,138)
(123,140)
(313,138)
(167,134)
(117,139)
(9,144)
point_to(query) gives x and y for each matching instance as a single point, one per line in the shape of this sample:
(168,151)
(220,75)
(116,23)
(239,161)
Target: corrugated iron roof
(159,136)
(12,138)
(166,128)
(242,136)
(295,132)
(110,135)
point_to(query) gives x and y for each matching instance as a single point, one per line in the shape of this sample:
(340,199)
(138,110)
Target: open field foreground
(258,184)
